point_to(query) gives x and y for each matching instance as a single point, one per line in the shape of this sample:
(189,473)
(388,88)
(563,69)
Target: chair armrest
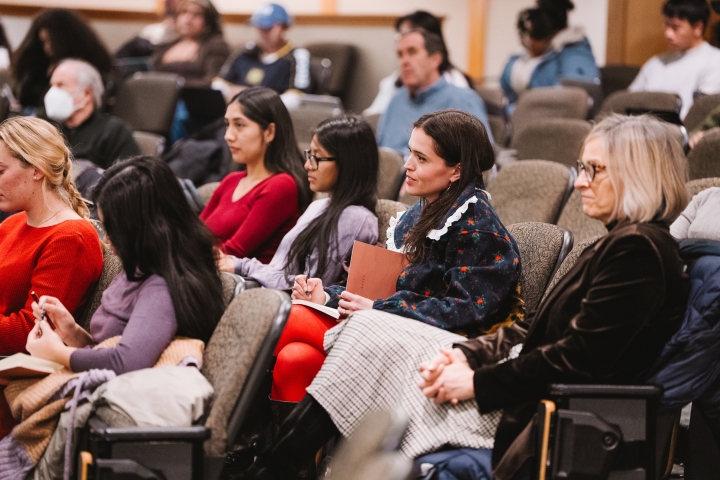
(620,391)
(100,431)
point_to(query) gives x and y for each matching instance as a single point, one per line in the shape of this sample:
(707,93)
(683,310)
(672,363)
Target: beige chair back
(570,261)
(147,101)
(542,247)
(625,102)
(206,191)
(574,219)
(385,210)
(531,191)
(149,143)
(704,159)
(701,108)
(112,267)
(617,77)
(549,102)
(391,173)
(556,139)
(698,185)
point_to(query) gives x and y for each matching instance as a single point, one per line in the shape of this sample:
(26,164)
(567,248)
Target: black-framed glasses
(314,159)
(590,170)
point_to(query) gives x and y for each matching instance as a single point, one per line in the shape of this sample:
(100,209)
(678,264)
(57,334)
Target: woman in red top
(48,247)
(251,211)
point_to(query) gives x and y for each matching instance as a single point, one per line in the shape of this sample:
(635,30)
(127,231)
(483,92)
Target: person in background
(169,285)
(425,90)
(56,34)
(391,84)
(692,66)
(700,218)
(553,51)
(342,162)
(165,31)
(201,49)
(271,61)
(48,247)
(251,211)
(74,101)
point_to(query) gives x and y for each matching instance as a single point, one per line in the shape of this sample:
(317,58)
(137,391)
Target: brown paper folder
(374,271)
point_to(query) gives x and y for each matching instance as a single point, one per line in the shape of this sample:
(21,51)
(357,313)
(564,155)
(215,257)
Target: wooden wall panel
(635,31)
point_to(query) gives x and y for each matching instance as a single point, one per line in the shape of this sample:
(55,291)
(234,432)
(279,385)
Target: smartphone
(45,315)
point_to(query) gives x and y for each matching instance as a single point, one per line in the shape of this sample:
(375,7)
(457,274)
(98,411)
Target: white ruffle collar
(435,234)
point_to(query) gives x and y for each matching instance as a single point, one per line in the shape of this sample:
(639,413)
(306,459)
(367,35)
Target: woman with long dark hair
(55,34)
(342,162)
(170,285)
(464,265)
(201,49)
(251,211)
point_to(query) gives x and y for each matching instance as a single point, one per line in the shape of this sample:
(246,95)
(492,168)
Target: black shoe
(291,455)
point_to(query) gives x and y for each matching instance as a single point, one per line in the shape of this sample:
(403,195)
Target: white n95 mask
(59,104)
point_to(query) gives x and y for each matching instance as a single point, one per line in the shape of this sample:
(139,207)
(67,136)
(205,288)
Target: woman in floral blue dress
(464,265)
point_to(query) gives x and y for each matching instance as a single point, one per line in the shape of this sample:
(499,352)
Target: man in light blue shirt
(424,91)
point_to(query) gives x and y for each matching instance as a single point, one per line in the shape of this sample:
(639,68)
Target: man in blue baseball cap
(270,61)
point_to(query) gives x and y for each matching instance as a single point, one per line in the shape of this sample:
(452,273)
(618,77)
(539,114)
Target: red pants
(300,353)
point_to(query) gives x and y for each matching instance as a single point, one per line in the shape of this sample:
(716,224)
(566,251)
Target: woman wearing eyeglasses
(251,211)
(342,162)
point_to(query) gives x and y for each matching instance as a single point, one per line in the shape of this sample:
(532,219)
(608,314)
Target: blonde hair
(646,166)
(37,143)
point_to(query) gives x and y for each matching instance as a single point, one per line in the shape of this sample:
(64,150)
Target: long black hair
(263,106)
(154,231)
(70,37)
(459,139)
(352,142)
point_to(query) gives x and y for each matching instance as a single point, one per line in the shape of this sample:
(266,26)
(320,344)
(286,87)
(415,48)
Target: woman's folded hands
(447,377)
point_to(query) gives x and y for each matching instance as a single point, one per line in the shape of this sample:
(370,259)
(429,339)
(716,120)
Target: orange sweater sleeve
(67,268)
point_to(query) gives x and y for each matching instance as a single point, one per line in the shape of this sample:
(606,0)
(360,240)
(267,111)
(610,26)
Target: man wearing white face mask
(74,100)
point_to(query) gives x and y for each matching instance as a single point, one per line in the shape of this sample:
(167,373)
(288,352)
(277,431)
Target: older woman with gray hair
(74,101)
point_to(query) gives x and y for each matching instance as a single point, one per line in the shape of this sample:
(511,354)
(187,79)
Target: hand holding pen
(44,315)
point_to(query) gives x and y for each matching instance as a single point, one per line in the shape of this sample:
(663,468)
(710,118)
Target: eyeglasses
(590,170)
(314,159)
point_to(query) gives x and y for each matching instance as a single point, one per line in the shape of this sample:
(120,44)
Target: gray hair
(87,76)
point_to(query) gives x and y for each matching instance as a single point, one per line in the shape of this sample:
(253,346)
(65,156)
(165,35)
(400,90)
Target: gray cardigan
(356,223)
(701,218)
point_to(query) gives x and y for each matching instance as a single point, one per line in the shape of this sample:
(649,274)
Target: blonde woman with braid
(48,247)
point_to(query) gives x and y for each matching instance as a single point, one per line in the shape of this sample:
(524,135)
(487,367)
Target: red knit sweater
(254,225)
(62,260)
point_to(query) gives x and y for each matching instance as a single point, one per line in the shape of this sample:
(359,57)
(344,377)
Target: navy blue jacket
(688,368)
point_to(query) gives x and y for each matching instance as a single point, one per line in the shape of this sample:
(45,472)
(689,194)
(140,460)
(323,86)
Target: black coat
(605,322)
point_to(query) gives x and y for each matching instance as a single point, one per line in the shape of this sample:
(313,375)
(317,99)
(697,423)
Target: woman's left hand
(225,263)
(43,342)
(349,303)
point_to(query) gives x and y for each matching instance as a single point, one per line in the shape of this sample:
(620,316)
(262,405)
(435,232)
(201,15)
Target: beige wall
(375,44)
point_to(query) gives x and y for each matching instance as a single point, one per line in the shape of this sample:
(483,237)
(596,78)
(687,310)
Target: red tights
(300,353)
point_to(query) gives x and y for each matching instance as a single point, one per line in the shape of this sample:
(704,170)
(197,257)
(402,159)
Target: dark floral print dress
(467,282)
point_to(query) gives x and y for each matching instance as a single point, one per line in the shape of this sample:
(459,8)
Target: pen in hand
(307,274)
(43,315)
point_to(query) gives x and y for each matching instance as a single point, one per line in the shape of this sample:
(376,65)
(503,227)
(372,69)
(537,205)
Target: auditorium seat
(556,139)
(617,77)
(391,173)
(385,210)
(549,102)
(593,89)
(626,103)
(704,159)
(698,185)
(531,191)
(574,219)
(112,266)
(149,143)
(206,191)
(343,57)
(237,362)
(147,101)
(543,247)
(700,109)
